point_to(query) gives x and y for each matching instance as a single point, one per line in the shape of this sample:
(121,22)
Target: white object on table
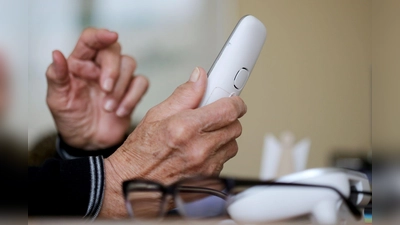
(284,156)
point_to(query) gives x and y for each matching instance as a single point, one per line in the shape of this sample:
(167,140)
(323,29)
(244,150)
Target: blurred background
(328,71)
(167,38)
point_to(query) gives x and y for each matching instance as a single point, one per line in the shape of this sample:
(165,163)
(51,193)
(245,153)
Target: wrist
(75,140)
(118,168)
(113,204)
(92,140)
(68,151)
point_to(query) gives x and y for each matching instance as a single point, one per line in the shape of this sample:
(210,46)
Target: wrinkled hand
(175,140)
(92,94)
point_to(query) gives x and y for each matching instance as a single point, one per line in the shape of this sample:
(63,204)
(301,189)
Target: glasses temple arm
(356,212)
(191,189)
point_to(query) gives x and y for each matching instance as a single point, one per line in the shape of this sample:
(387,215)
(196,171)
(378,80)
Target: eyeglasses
(203,197)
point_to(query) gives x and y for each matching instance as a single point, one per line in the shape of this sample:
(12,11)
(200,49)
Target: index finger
(92,40)
(220,113)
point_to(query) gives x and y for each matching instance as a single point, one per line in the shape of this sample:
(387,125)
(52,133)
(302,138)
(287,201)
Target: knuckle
(229,109)
(238,129)
(54,104)
(175,98)
(49,71)
(233,150)
(49,102)
(118,46)
(198,156)
(241,105)
(113,73)
(152,111)
(77,68)
(128,61)
(180,89)
(87,31)
(178,134)
(236,103)
(215,169)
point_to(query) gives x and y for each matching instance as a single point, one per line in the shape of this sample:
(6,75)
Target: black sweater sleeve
(67,187)
(67,152)
(71,184)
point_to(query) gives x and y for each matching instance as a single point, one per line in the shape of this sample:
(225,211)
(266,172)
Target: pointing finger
(57,73)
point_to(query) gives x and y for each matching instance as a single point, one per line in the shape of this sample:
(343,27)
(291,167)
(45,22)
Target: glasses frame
(230,184)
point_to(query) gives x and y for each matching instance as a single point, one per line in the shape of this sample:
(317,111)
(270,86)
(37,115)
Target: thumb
(57,74)
(189,94)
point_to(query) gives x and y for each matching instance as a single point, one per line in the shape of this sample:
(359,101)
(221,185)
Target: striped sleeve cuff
(96,187)
(67,152)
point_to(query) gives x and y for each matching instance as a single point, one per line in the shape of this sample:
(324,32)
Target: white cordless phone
(231,70)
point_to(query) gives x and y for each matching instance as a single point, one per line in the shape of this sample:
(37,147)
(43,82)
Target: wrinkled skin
(175,140)
(92,94)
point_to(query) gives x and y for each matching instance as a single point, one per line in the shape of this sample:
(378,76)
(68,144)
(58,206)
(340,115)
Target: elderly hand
(92,94)
(175,140)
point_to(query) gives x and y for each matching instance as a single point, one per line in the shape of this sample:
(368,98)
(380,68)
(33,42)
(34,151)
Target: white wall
(386,74)
(312,78)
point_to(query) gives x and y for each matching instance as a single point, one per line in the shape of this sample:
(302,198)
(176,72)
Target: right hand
(175,140)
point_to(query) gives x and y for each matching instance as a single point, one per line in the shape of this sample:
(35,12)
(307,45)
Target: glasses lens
(145,201)
(201,198)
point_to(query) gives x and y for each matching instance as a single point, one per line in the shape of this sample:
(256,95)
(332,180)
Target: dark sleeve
(67,152)
(67,187)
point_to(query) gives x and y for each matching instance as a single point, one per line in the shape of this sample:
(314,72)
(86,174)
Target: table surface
(72,221)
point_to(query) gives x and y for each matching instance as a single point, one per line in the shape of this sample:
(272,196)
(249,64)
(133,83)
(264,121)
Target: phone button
(240,79)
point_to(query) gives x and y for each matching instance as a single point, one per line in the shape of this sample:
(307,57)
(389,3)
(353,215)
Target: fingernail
(108,84)
(109,105)
(121,112)
(195,75)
